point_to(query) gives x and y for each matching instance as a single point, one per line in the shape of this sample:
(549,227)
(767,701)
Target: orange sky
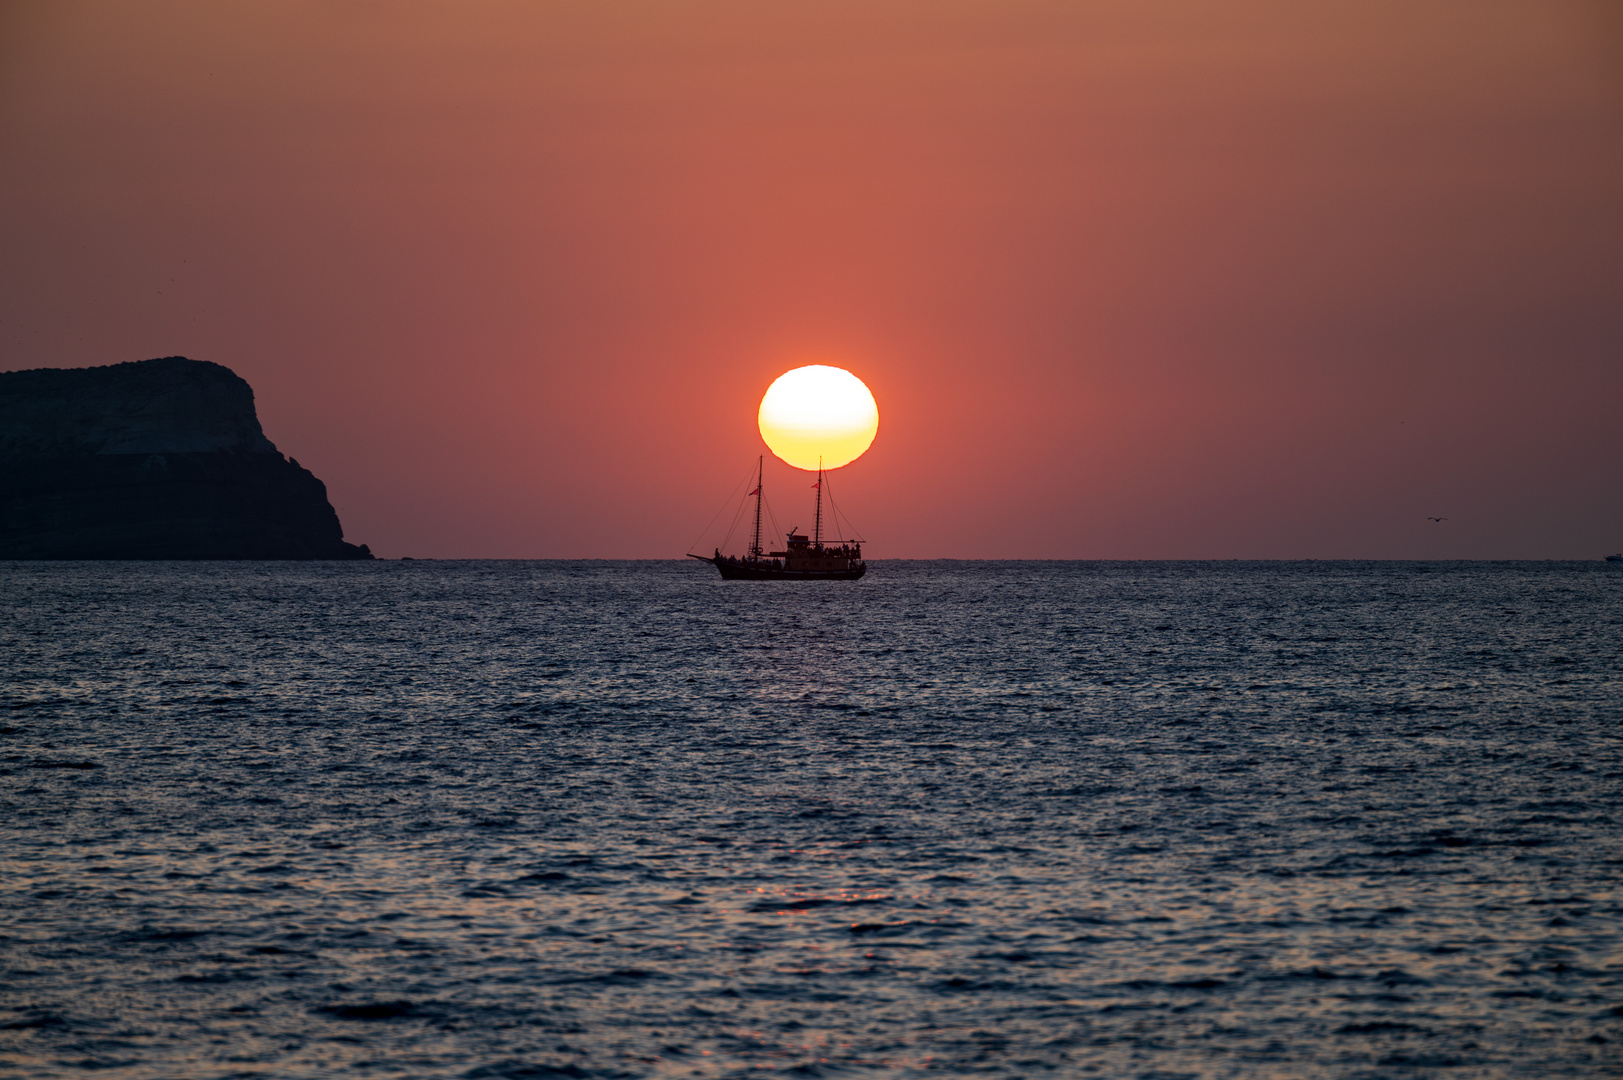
(1128,280)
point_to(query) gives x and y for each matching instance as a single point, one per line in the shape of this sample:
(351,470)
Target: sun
(818,412)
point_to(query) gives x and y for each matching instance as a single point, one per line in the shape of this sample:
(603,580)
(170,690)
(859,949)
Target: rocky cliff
(160,459)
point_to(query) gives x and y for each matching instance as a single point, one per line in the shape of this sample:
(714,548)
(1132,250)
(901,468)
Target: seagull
(1436,519)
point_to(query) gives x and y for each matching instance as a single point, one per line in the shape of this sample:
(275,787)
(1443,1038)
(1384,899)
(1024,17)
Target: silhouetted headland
(158,459)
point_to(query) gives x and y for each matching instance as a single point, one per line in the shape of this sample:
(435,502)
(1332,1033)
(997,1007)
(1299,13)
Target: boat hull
(736,571)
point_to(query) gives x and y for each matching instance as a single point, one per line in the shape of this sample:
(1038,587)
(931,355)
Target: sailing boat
(804,558)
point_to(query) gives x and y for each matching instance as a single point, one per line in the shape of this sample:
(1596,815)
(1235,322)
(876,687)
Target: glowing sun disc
(818,411)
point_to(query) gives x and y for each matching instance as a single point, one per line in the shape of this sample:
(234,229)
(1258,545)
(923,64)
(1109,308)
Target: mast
(817,530)
(755,544)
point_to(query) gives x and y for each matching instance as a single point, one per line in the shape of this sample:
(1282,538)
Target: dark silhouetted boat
(1614,558)
(804,558)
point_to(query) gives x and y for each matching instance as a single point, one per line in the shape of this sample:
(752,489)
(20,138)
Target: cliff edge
(158,459)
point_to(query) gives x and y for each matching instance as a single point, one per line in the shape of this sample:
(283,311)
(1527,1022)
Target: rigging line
(856,533)
(738,515)
(823,489)
(776,531)
(833,510)
(839,514)
(718,513)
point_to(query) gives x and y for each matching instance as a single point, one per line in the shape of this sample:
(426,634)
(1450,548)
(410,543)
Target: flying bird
(1436,519)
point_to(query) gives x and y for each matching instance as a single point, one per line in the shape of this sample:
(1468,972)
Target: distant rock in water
(160,459)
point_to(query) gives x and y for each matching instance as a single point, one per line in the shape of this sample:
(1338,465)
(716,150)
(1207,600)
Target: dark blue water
(956,819)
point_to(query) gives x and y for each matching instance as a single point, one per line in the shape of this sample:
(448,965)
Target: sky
(1128,280)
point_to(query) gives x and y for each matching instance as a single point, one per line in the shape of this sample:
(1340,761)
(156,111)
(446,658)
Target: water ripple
(624,820)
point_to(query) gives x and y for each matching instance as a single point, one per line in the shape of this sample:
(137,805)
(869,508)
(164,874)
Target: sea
(957,819)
